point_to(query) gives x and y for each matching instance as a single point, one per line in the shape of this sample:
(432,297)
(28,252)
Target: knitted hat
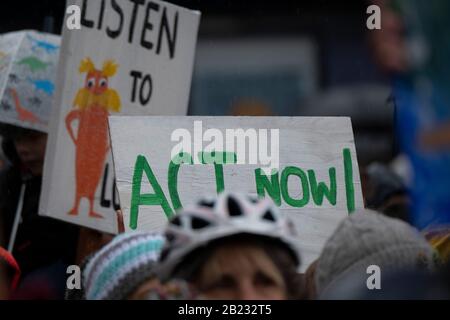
(369,238)
(11,263)
(122,266)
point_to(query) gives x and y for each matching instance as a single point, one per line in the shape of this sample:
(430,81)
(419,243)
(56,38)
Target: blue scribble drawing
(47,46)
(44,85)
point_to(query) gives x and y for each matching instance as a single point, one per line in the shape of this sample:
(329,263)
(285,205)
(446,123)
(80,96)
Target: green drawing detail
(34,63)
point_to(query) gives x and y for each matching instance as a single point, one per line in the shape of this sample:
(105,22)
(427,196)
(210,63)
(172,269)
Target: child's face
(31,150)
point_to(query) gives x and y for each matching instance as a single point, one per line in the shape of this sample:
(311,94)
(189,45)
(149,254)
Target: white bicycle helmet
(228,215)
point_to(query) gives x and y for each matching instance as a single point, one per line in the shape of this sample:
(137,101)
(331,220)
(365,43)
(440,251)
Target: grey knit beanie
(369,238)
(122,266)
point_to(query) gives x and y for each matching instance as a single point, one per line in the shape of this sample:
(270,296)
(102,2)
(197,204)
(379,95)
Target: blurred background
(284,58)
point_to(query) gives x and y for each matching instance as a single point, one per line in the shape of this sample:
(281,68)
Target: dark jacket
(40,241)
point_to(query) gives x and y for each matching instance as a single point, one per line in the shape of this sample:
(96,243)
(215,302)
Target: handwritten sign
(131,58)
(315,179)
(28,63)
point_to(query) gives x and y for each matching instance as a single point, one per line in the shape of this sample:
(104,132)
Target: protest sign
(28,63)
(307,165)
(128,58)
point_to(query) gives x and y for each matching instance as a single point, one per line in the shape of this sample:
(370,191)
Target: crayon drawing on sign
(27,78)
(35,64)
(35,101)
(44,45)
(13,78)
(22,113)
(92,103)
(45,86)
(5,106)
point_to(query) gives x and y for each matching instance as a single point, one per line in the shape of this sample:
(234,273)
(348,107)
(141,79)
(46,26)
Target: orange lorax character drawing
(92,105)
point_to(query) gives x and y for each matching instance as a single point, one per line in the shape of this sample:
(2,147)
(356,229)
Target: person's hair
(309,285)
(192,267)
(10,152)
(10,131)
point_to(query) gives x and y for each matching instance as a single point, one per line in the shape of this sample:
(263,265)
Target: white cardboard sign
(128,58)
(317,182)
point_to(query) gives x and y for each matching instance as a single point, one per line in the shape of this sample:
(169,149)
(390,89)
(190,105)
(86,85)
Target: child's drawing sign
(23,114)
(27,78)
(93,103)
(121,62)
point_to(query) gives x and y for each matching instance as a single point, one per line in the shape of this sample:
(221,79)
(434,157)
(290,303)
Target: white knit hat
(369,238)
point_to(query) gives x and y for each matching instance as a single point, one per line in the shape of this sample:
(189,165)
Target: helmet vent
(170,237)
(268,216)
(234,209)
(198,223)
(176,221)
(206,203)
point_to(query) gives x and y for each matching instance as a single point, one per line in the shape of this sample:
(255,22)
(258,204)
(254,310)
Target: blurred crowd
(233,246)
(241,248)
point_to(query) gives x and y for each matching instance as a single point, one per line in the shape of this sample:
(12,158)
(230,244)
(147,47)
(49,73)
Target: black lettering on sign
(136,76)
(157,29)
(101,14)
(137,3)
(103,201)
(146,90)
(165,29)
(118,9)
(84,21)
(145,87)
(148,25)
